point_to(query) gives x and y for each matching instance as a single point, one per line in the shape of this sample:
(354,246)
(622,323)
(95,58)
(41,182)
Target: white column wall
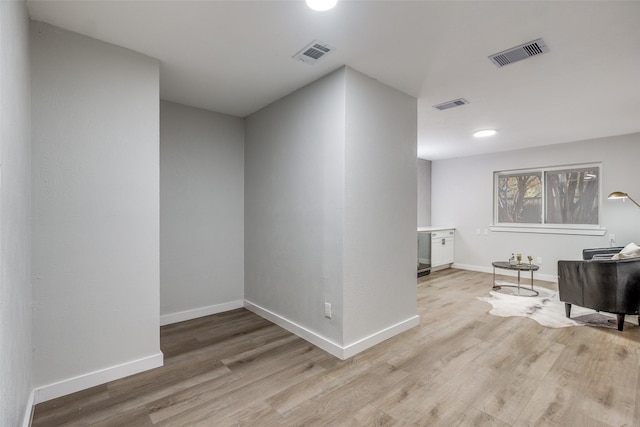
(330,212)
(294,163)
(15,206)
(95,211)
(424,193)
(380,208)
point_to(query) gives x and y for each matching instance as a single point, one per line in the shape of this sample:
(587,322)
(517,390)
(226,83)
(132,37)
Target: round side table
(518,267)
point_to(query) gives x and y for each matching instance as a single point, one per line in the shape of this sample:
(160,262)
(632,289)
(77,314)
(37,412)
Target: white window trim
(584,230)
(572,229)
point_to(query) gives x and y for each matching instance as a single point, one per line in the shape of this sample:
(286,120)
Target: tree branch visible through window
(571,196)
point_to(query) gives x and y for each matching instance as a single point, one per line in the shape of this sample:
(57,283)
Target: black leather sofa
(601,283)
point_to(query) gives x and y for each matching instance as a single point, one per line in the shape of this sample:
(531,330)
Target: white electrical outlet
(327,310)
(539,260)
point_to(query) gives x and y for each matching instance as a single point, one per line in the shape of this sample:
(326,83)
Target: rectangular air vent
(519,53)
(450,104)
(312,52)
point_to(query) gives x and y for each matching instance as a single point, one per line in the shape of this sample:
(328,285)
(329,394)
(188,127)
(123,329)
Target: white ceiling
(234,57)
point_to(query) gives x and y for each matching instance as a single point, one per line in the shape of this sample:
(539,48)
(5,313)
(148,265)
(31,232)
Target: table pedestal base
(520,291)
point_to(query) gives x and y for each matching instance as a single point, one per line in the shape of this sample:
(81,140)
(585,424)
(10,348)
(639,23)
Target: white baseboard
(304,333)
(92,379)
(28,411)
(181,316)
(378,337)
(326,344)
(524,275)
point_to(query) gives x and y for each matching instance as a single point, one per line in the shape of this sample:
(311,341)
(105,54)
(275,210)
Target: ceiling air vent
(450,104)
(312,52)
(519,53)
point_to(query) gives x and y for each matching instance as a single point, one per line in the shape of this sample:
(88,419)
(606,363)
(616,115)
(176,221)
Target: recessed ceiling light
(483,133)
(321,5)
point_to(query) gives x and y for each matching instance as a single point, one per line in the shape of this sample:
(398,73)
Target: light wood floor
(461,366)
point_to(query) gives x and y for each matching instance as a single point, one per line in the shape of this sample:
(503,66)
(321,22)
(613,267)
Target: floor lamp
(621,195)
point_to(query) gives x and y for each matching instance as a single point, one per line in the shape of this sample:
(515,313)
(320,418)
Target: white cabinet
(442,242)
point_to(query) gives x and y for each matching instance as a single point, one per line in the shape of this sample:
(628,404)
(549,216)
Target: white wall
(424,193)
(201,212)
(471,206)
(15,202)
(294,174)
(330,212)
(95,211)
(380,207)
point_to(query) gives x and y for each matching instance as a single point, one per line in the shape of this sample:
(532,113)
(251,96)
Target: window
(572,196)
(519,197)
(548,197)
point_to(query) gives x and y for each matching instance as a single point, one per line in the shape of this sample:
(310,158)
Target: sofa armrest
(570,284)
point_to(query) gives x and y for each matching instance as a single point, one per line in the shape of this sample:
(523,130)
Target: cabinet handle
(443,242)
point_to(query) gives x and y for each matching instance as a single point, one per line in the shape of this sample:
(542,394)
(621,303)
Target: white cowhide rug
(546,309)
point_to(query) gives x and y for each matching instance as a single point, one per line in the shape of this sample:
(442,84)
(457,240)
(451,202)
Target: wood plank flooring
(460,367)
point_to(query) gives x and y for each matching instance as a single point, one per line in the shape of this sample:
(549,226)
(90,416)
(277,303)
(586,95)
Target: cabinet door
(442,249)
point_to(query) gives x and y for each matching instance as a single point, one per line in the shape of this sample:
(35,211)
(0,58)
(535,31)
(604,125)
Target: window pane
(572,196)
(519,198)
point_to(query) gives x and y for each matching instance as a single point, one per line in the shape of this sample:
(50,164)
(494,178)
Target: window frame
(543,227)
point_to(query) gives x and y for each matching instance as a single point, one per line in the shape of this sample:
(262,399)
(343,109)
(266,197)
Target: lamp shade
(618,195)
(621,195)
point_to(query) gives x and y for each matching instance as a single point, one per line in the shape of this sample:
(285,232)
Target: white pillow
(630,251)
